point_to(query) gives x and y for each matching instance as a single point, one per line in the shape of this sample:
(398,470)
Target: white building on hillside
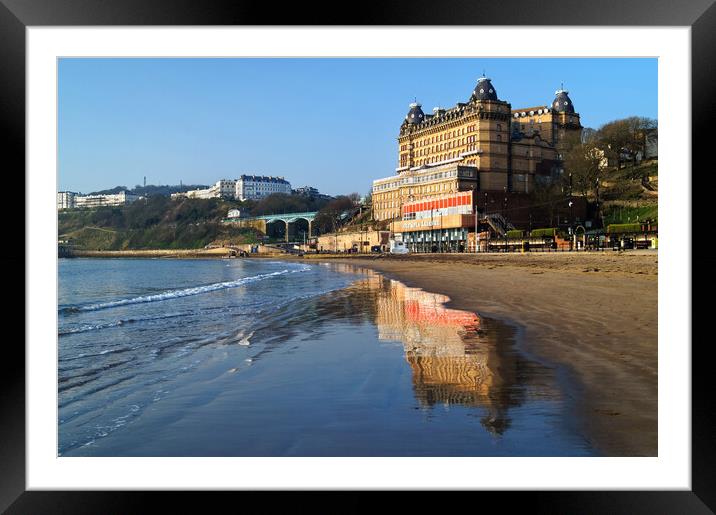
(225,188)
(66,199)
(117,199)
(255,187)
(205,193)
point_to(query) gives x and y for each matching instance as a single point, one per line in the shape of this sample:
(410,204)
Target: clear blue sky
(328,123)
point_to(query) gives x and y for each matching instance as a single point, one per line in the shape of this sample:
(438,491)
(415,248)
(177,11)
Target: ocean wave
(173,294)
(81,355)
(116,323)
(89,327)
(91,391)
(64,378)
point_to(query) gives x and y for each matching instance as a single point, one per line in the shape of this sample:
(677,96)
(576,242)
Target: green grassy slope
(157,223)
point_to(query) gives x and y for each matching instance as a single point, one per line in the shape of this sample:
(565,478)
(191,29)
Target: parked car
(398,247)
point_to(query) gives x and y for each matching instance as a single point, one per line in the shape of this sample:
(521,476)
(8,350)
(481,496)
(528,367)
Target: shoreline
(167,253)
(575,312)
(591,316)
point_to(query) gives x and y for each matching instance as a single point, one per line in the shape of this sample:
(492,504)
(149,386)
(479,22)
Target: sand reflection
(456,357)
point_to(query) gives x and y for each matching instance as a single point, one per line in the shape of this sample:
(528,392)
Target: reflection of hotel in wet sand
(454,356)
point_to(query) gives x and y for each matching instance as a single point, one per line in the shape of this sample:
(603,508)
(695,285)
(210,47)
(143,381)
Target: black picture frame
(17,15)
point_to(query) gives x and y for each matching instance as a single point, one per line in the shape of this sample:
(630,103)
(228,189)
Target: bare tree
(546,197)
(625,136)
(583,161)
(329,217)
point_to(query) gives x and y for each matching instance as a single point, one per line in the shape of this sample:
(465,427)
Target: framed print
(272,264)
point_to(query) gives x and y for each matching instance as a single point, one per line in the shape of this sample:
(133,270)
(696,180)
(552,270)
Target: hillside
(630,194)
(154,223)
(158,222)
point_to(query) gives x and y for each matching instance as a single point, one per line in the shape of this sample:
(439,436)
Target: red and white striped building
(441,223)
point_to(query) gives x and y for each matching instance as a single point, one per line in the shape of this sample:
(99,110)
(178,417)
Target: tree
(284,203)
(640,127)
(546,196)
(625,136)
(329,217)
(582,163)
(589,135)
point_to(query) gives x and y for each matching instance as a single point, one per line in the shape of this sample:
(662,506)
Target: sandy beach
(591,315)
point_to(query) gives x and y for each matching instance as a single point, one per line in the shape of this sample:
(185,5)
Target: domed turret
(484,90)
(415,115)
(562,103)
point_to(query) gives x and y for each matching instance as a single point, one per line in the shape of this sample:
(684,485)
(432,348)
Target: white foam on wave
(88,327)
(245,339)
(175,294)
(116,323)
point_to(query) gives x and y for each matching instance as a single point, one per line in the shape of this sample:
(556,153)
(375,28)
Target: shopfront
(439,224)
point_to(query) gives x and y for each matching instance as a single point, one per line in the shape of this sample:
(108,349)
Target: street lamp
(571,211)
(475,228)
(488,231)
(597,193)
(439,233)
(504,216)
(571,224)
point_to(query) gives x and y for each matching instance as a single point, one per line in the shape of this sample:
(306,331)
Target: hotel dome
(562,103)
(484,90)
(415,115)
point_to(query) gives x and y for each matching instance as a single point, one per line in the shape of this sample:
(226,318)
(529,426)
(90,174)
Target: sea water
(253,357)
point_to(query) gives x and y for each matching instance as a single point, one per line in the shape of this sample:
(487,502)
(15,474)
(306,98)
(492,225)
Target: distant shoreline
(219,252)
(178,253)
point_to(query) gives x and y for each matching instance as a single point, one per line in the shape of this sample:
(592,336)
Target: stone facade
(482,144)
(256,187)
(361,241)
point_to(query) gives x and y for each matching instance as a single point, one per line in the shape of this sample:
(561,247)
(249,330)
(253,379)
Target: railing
(499,223)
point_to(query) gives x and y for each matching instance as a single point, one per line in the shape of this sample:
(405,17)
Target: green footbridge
(286,218)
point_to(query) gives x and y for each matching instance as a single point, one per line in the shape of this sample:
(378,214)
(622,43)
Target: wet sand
(592,316)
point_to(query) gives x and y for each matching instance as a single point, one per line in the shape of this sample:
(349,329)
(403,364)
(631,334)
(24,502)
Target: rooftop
(263,178)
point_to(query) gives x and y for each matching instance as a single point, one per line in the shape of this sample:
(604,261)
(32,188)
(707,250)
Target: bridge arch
(290,218)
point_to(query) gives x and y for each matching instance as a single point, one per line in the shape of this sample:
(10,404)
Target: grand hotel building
(482,145)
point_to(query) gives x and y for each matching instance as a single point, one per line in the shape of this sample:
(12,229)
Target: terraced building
(483,145)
